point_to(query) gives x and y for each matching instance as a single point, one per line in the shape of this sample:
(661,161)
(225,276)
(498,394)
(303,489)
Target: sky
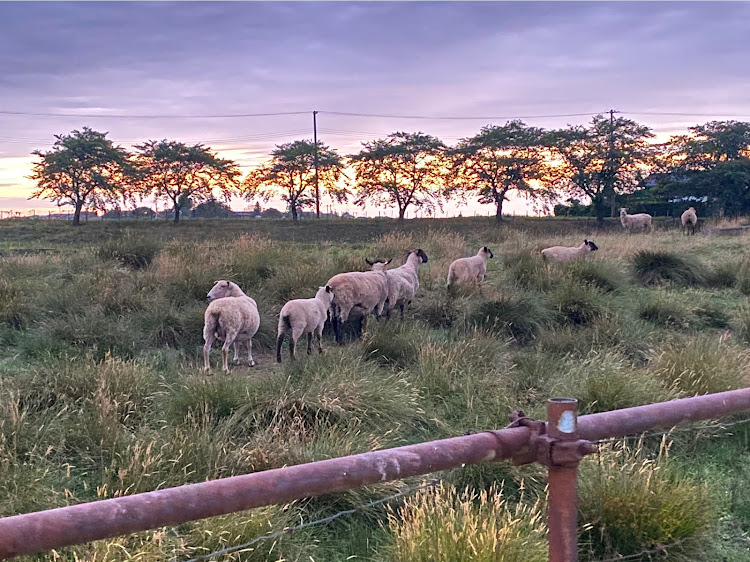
(153,70)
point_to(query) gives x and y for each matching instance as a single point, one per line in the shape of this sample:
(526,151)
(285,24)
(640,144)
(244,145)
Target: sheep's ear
(228,283)
(387,262)
(329,289)
(369,262)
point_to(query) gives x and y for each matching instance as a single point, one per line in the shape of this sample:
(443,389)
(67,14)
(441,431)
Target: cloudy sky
(143,70)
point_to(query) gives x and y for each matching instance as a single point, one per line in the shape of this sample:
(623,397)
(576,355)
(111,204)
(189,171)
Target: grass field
(103,392)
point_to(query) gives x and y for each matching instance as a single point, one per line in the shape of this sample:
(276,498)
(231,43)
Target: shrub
(697,365)
(519,318)
(444,525)
(629,503)
(656,267)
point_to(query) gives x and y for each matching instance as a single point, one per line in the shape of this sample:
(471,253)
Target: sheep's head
(623,212)
(325,293)
(223,289)
(487,252)
(378,265)
(420,254)
(592,247)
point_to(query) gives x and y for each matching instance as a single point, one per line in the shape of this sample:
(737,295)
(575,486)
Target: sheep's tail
(211,322)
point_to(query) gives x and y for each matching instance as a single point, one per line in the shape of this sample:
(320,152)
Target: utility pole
(610,163)
(315,141)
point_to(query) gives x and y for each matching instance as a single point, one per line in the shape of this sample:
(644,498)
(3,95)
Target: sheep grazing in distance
(304,316)
(231,316)
(689,221)
(359,293)
(469,270)
(403,282)
(568,253)
(640,221)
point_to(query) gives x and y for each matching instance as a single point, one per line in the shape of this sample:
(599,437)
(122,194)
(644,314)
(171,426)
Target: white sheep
(640,221)
(403,282)
(568,253)
(358,293)
(689,220)
(469,270)
(304,316)
(231,316)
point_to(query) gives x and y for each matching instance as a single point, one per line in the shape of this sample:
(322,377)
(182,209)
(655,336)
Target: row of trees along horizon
(609,161)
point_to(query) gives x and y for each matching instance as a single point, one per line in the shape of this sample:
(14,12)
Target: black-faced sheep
(358,293)
(640,221)
(403,282)
(568,253)
(231,316)
(304,316)
(469,270)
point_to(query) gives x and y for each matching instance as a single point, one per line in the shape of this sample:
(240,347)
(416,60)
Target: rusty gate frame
(559,443)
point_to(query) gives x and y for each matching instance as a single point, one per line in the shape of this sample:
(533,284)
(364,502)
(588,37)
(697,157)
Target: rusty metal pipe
(55,528)
(630,421)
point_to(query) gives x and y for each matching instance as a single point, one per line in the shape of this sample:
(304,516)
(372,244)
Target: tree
(257,210)
(177,172)
(606,157)
(292,170)
(211,208)
(404,169)
(83,168)
(497,161)
(711,161)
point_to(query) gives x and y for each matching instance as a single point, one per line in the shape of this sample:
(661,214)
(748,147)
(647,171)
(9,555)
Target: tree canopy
(604,158)
(403,169)
(497,161)
(83,169)
(292,170)
(178,172)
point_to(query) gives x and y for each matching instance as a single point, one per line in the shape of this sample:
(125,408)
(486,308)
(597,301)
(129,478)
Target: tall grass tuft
(602,275)
(577,305)
(658,267)
(528,270)
(697,365)
(629,503)
(135,252)
(15,309)
(521,318)
(443,525)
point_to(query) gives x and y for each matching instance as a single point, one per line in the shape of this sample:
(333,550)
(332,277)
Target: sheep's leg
(235,348)
(319,337)
(225,356)
(402,311)
(292,346)
(207,350)
(279,343)
(362,324)
(250,359)
(309,343)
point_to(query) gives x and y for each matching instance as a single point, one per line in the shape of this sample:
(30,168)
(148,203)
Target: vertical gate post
(562,514)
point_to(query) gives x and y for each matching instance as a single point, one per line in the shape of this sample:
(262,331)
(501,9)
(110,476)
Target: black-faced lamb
(689,220)
(568,253)
(231,316)
(403,282)
(469,270)
(304,316)
(358,293)
(639,221)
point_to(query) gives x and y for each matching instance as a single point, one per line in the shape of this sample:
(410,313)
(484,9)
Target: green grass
(102,391)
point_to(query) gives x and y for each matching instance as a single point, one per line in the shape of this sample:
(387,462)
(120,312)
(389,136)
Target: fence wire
(287,530)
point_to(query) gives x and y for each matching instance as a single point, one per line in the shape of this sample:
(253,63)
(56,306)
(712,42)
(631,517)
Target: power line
(679,114)
(126,116)
(466,118)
